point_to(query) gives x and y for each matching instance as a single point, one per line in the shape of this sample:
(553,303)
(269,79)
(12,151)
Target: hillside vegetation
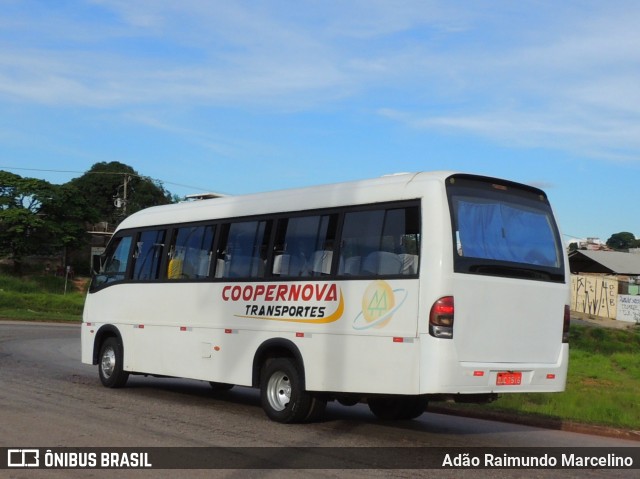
(41,298)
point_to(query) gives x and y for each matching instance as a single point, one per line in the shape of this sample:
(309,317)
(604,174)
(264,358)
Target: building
(604,262)
(591,244)
(606,284)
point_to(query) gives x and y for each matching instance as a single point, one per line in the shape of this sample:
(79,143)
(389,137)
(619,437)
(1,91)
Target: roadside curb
(541,422)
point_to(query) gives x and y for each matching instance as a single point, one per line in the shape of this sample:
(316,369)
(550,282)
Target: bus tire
(413,407)
(397,407)
(281,394)
(110,364)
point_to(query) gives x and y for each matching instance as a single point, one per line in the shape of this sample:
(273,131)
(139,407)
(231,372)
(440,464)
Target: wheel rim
(108,362)
(279,391)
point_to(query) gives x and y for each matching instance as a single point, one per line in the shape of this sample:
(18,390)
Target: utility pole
(122,202)
(126,184)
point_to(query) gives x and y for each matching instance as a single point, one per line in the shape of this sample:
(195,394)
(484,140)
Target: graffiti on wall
(595,295)
(629,308)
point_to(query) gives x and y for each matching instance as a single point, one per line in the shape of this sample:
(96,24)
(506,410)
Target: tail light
(566,324)
(441,318)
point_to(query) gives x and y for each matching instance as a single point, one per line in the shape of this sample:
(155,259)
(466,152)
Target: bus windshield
(504,230)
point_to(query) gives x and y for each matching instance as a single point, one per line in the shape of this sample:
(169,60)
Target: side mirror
(97,264)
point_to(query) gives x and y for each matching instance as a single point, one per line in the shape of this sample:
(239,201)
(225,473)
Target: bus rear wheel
(110,364)
(397,407)
(282,395)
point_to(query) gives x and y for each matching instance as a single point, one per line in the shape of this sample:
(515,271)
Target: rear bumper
(443,373)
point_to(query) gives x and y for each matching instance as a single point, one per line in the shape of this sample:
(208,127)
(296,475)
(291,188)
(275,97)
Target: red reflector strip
(551,376)
(228,331)
(478,374)
(398,340)
(184,328)
(139,326)
(88,324)
(299,335)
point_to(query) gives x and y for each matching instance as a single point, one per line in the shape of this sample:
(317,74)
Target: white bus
(398,290)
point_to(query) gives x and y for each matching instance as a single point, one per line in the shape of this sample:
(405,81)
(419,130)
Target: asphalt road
(49,399)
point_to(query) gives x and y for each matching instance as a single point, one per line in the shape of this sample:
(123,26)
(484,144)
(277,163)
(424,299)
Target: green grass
(39,298)
(603,384)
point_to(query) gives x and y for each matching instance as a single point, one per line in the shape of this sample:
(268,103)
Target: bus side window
(245,250)
(148,255)
(303,246)
(380,242)
(190,254)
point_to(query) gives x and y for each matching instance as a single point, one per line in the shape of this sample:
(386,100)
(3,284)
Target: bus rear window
(504,230)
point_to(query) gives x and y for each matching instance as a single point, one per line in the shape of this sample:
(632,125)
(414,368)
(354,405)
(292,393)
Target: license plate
(509,379)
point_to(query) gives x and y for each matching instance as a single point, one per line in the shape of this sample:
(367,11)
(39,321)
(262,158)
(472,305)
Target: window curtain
(505,233)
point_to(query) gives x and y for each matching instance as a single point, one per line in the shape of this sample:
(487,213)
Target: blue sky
(247,96)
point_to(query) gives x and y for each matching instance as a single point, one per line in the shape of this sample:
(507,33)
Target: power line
(104,173)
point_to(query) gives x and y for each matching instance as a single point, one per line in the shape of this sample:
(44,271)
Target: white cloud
(162,52)
(573,88)
(529,74)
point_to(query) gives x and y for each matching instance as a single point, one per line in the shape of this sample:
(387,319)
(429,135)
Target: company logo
(72,458)
(23,458)
(309,303)
(379,303)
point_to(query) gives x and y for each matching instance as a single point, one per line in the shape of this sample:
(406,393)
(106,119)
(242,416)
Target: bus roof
(385,188)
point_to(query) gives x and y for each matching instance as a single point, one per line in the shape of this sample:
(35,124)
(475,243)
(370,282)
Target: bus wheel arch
(282,395)
(279,373)
(109,356)
(272,349)
(102,334)
(110,366)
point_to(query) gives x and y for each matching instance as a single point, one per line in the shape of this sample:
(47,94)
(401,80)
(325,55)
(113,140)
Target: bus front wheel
(282,395)
(110,364)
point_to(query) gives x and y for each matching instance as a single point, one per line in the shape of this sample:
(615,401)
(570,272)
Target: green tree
(105,182)
(37,217)
(68,213)
(24,229)
(622,241)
